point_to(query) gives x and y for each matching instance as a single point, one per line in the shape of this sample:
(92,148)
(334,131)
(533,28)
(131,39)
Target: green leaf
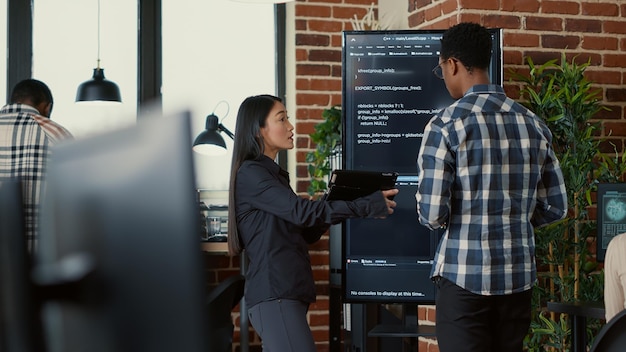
(327,138)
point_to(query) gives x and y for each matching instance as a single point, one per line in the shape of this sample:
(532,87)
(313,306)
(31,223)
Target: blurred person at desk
(275,226)
(26,135)
(615,276)
(488,176)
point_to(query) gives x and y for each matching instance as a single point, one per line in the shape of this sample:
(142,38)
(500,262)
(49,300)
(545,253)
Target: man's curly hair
(469,43)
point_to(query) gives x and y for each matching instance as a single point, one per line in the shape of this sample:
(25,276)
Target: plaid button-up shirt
(25,141)
(488,175)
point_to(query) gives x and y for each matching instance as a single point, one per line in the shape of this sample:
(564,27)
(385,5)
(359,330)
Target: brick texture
(592,30)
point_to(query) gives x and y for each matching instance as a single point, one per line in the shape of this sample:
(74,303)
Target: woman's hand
(389,194)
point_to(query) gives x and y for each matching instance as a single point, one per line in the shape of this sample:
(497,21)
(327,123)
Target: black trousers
(469,322)
(282,325)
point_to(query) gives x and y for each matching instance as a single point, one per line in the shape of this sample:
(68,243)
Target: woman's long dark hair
(248,145)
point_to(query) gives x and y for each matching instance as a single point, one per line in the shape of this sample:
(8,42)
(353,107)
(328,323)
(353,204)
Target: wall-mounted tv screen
(389,94)
(611,218)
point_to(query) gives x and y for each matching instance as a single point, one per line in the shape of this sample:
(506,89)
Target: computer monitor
(389,95)
(611,216)
(20,326)
(124,201)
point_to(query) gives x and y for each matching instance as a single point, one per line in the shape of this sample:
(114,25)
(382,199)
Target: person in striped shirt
(26,136)
(488,176)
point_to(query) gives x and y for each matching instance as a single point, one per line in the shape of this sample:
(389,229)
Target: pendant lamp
(98,88)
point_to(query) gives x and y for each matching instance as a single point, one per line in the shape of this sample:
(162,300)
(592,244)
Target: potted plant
(560,94)
(327,139)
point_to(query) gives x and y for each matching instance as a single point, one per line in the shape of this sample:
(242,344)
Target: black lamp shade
(98,89)
(210,141)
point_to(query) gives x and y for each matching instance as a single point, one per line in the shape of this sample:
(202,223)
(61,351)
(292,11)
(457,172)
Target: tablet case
(352,184)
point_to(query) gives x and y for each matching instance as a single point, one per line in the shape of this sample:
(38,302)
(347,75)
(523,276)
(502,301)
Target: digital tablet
(352,184)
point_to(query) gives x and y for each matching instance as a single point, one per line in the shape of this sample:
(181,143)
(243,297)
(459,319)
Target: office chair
(612,336)
(20,328)
(219,305)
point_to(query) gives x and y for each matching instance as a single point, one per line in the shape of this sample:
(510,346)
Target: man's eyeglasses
(438,71)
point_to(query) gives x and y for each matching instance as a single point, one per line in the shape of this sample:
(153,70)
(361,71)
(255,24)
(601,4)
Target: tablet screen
(352,184)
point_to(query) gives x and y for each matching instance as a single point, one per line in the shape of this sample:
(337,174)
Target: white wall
(393,14)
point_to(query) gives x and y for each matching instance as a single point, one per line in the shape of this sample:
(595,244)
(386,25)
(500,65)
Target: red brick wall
(593,30)
(588,30)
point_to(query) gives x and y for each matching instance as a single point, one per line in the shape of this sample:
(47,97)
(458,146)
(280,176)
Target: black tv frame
(606,227)
(422,292)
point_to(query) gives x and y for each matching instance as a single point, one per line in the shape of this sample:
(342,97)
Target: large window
(215,53)
(3,50)
(65,52)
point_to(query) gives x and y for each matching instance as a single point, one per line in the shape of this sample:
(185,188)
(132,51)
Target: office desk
(578,313)
(215,247)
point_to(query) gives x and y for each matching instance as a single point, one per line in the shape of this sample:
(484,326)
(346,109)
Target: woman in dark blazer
(275,226)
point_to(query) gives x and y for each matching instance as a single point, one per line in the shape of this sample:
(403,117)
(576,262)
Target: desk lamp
(210,141)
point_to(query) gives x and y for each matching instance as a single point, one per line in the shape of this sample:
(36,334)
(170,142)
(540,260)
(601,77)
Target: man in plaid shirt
(26,136)
(487,175)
